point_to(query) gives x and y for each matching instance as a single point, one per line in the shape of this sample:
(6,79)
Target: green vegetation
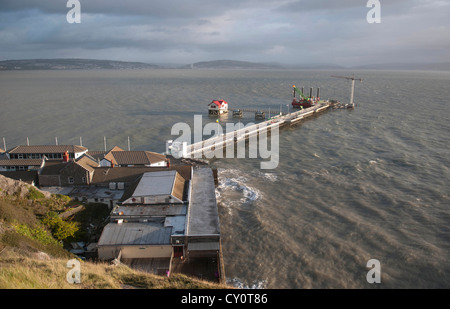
(21,269)
(34,194)
(60,229)
(33,230)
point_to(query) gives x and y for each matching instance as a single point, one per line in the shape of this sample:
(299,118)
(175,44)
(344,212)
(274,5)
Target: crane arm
(346,77)
(300,93)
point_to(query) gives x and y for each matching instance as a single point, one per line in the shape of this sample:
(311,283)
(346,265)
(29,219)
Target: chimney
(66,157)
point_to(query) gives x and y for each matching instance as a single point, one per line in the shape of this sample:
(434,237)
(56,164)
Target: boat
(304,101)
(237,113)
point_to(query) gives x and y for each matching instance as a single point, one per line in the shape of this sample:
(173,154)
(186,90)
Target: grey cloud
(255,30)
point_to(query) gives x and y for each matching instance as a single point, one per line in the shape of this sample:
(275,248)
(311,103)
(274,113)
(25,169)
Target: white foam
(270,176)
(259,284)
(229,182)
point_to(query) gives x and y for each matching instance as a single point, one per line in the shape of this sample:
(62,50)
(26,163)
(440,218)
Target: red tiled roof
(130,174)
(48,149)
(21,162)
(218,102)
(87,163)
(134,157)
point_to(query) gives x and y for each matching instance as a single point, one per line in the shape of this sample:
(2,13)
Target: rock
(42,256)
(10,186)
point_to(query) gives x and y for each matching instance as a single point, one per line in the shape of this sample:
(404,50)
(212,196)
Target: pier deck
(196,150)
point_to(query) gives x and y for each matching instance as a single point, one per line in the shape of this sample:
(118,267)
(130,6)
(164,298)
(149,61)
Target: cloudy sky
(188,31)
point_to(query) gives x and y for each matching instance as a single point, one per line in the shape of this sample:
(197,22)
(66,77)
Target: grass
(30,257)
(25,270)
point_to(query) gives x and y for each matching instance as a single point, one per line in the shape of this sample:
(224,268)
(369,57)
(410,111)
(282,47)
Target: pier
(217,142)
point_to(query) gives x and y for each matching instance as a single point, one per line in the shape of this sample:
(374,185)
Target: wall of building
(134,252)
(108,252)
(139,252)
(49,181)
(73,171)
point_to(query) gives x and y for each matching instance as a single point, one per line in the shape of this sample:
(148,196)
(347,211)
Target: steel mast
(353,86)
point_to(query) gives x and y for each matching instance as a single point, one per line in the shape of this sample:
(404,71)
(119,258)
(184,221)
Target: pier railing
(217,142)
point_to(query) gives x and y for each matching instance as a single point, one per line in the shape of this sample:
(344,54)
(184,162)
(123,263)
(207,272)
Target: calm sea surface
(351,185)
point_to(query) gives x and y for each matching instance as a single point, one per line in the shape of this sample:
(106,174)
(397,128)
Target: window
(83,180)
(71,180)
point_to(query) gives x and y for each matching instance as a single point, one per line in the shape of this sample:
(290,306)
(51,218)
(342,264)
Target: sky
(187,31)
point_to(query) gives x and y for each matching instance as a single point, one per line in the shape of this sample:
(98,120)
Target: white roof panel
(155,183)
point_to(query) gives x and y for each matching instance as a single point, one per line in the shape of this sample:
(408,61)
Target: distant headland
(93,64)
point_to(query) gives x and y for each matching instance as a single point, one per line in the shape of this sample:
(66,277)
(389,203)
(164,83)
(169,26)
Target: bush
(60,229)
(64,198)
(38,233)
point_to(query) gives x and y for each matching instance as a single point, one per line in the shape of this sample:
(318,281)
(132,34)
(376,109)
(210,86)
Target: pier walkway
(199,149)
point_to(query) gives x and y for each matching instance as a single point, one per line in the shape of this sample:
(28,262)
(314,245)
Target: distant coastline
(93,64)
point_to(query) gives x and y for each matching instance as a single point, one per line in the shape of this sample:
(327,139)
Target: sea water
(350,186)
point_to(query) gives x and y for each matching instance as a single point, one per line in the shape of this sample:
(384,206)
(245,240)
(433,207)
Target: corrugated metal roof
(168,183)
(156,183)
(153,210)
(134,233)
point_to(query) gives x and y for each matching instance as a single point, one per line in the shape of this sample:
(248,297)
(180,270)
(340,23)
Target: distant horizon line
(395,65)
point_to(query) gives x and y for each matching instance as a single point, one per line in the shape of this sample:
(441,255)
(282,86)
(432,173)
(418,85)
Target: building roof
(55,167)
(21,162)
(218,102)
(25,176)
(146,211)
(52,168)
(156,183)
(203,217)
(135,157)
(168,183)
(88,163)
(100,155)
(48,149)
(130,174)
(135,233)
